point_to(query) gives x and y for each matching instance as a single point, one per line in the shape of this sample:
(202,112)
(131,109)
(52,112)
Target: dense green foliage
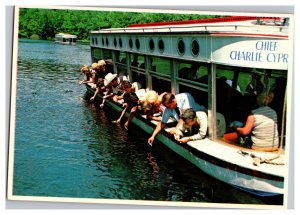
(45,23)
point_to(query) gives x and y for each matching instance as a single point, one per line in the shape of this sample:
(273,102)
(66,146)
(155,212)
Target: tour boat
(193,56)
(63,38)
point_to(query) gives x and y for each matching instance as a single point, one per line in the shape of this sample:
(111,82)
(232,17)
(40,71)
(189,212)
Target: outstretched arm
(158,128)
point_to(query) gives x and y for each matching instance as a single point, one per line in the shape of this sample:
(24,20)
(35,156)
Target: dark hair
(125,84)
(167,98)
(188,114)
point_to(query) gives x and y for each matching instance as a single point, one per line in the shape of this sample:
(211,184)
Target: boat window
(115,42)
(137,44)
(237,90)
(102,41)
(120,42)
(137,68)
(93,42)
(107,42)
(96,54)
(121,57)
(194,71)
(137,60)
(140,78)
(151,45)
(130,43)
(193,77)
(181,47)
(161,46)
(195,48)
(161,66)
(107,54)
(161,85)
(199,93)
(96,40)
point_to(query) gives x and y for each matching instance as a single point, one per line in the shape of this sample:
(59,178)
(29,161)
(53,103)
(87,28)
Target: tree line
(36,23)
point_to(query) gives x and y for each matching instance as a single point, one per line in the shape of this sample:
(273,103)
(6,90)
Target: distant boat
(63,38)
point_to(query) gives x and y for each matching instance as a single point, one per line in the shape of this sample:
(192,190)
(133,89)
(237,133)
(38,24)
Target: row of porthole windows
(195,47)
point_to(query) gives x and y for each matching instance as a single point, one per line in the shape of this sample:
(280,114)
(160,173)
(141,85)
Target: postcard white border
(130,202)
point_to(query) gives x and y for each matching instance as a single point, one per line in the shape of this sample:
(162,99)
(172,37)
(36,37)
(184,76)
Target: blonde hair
(101,63)
(84,68)
(151,97)
(94,65)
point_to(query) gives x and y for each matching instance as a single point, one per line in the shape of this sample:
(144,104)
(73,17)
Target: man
(174,106)
(193,126)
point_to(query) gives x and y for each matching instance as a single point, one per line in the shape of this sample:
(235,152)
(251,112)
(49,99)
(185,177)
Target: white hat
(108,78)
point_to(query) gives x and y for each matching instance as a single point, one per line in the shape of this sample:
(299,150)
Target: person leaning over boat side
(101,69)
(150,104)
(261,125)
(99,88)
(87,72)
(130,102)
(113,82)
(193,126)
(94,77)
(174,104)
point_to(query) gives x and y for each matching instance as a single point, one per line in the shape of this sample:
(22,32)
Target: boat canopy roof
(263,25)
(63,35)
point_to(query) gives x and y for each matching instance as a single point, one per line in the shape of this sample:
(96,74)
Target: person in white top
(261,125)
(193,126)
(174,104)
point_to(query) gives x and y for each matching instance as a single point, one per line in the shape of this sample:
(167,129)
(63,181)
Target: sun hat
(108,78)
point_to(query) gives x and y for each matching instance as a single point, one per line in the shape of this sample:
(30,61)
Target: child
(130,102)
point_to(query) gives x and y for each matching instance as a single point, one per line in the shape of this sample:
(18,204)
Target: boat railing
(199,28)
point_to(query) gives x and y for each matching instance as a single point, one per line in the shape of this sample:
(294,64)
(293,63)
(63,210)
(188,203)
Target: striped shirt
(265,132)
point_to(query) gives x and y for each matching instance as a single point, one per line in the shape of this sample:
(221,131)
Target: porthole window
(115,42)
(130,43)
(161,46)
(151,45)
(120,43)
(102,41)
(137,44)
(195,48)
(181,47)
(107,43)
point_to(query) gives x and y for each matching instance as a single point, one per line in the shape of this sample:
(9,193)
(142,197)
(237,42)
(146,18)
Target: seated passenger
(261,126)
(130,102)
(255,87)
(192,127)
(189,73)
(150,104)
(174,106)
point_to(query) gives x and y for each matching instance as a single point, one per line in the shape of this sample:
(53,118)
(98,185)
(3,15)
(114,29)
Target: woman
(150,104)
(261,125)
